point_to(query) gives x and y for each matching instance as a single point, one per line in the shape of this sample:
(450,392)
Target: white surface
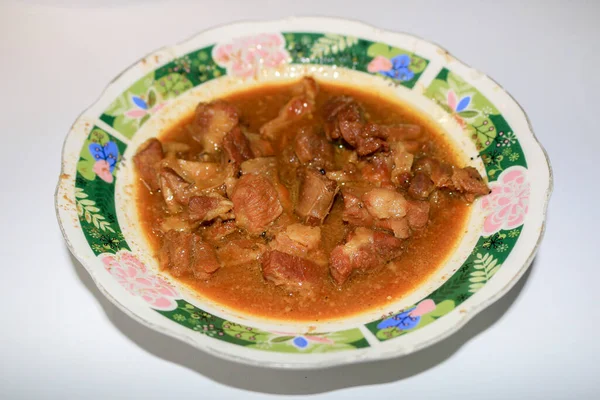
(60,339)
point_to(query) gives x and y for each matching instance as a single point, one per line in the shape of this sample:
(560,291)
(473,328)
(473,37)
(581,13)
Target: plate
(99,220)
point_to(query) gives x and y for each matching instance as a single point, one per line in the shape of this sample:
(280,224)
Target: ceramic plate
(99,221)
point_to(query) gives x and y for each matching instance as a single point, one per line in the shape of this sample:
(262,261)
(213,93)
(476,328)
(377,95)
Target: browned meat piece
(421,186)
(302,104)
(295,273)
(468,181)
(380,208)
(315,197)
(260,165)
(185,254)
(212,121)
(267,166)
(147,161)
(175,149)
(365,251)
(255,203)
(439,172)
(203,175)
(349,173)
(307,87)
(385,203)
(371,138)
(297,239)
(209,207)
(417,214)
(260,147)
(378,170)
(403,132)
(400,226)
(355,212)
(330,111)
(175,190)
(313,148)
(344,118)
(403,160)
(463,180)
(218,230)
(240,252)
(237,147)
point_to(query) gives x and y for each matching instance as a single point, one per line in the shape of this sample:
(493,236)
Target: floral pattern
(396,68)
(410,318)
(133,275)
(245,57)
(506,207)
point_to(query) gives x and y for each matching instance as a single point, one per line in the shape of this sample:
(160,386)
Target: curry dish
(303,201)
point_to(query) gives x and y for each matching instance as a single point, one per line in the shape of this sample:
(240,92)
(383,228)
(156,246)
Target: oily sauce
(243,288)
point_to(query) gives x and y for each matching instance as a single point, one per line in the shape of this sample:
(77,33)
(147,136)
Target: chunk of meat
(147,161)
(295,273)
(297,239)
(212,121)
(330,111)
(299,106)
(260,147)
(417,214)
(440,173)
(307,87)
(385,203)
(175,190)
(365,251)
(203,175)
(399,226)
(218,230)
(403,132)
(355,212)
(403,161)
(255,203)
(316,196)
(236,147)
(421,186)
(186,254)
(371,139)
(349,173)
(241,252)
(260,165)
(267,166)
(468,181)
(463,180)
(377,170)
(310,147)
(344,118)
(209,207)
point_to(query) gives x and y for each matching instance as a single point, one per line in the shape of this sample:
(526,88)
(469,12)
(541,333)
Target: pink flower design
(506,206)
(102,169)
(246,56)
(379,63)
(133,275)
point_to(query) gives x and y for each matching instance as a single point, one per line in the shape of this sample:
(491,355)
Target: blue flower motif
(109,152)
(463,103)
(403,321)
(400,70)
(300,342)
(138,101)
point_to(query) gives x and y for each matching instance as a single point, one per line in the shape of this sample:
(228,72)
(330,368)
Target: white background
(60,339)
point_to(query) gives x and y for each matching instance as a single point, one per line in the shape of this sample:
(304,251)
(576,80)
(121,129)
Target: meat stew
(305,201)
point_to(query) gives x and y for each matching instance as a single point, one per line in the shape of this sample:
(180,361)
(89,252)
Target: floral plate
(99,222)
